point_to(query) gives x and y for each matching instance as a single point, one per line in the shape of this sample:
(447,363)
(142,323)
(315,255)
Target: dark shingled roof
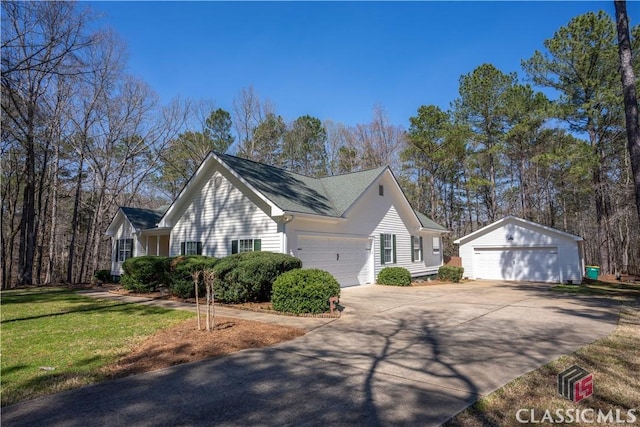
(328,196)
(142,219)
(428,222)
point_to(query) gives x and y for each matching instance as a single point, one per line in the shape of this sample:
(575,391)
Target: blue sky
(331,60)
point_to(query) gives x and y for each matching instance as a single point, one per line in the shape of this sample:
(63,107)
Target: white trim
(508,218)
(373,182)
(315,217)
(111,229)
(275,210)
(398,189)
(304,233)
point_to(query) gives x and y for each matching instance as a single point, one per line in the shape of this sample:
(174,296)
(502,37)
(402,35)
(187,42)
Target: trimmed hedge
(103,276)
(180,281)
(304,291)
(249,276)
(394,276)
(450,273)
(144,274)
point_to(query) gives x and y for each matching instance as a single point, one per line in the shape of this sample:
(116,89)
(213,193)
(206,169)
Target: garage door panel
(521,264)
(347,259)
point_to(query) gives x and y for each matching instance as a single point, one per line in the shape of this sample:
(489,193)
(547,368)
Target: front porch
(154,243)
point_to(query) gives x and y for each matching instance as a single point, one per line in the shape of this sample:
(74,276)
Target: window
(246,245)
(191,248)
(436,245)
(124,249)
(416,248)
(381,190)
(387,248)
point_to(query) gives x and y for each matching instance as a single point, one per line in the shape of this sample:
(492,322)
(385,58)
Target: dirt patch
(185,343)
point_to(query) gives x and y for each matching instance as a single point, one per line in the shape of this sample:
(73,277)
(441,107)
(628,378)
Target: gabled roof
(523,222)
(142,219)
(427,222)
(287,191)
(292,192)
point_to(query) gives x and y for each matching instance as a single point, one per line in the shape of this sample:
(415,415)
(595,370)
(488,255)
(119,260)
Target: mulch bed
(184,343)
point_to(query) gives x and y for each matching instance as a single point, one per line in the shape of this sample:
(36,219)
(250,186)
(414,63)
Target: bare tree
(41,42)
(249,113)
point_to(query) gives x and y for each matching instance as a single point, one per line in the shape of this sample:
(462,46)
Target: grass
(45,328)
(619,291)
(614,362)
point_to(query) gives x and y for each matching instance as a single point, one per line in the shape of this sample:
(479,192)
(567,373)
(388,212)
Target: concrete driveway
(397,356)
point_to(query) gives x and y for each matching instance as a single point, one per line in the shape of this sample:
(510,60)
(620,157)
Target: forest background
(81,136)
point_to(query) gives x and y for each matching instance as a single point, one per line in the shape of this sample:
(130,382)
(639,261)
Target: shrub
(103,276)
(180,280)
(450,273)
(144,274)
(304,291)
(249,276)
(394,276)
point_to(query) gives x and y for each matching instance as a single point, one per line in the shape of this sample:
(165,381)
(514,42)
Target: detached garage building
(516,249)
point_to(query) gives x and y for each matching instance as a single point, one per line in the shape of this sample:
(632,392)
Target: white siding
(371,216)
(216,216)
(513,235)
(123,231)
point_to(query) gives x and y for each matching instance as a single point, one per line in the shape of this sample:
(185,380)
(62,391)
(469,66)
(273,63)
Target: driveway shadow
(418,363)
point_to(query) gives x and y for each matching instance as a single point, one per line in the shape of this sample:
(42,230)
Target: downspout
(285,219)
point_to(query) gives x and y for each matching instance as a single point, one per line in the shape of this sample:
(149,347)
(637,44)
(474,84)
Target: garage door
(522,264)
(346,258)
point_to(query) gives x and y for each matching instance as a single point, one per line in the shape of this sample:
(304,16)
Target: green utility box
(593,271)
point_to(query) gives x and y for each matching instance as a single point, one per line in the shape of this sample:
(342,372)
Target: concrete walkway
(397,356)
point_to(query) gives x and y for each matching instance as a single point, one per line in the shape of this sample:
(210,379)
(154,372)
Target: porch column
(158,245)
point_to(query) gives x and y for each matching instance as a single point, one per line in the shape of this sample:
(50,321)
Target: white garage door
(522,264)
(346,258)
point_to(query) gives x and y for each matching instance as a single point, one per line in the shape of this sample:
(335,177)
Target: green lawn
(76,335)
(619,291)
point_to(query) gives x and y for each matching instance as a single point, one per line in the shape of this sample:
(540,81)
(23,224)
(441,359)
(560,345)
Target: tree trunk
(630,98)
(74,219)
(27,225)
(602,218)
(49,276)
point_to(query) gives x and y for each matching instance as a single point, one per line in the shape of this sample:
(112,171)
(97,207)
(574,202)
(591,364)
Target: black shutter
(421,250)
(382,249)
(182,248)
(117,250)
(257,245)
(199,248)
(234,246)
(131,247)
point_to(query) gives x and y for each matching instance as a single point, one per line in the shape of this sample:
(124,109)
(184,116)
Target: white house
(351,225)
(516,249)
